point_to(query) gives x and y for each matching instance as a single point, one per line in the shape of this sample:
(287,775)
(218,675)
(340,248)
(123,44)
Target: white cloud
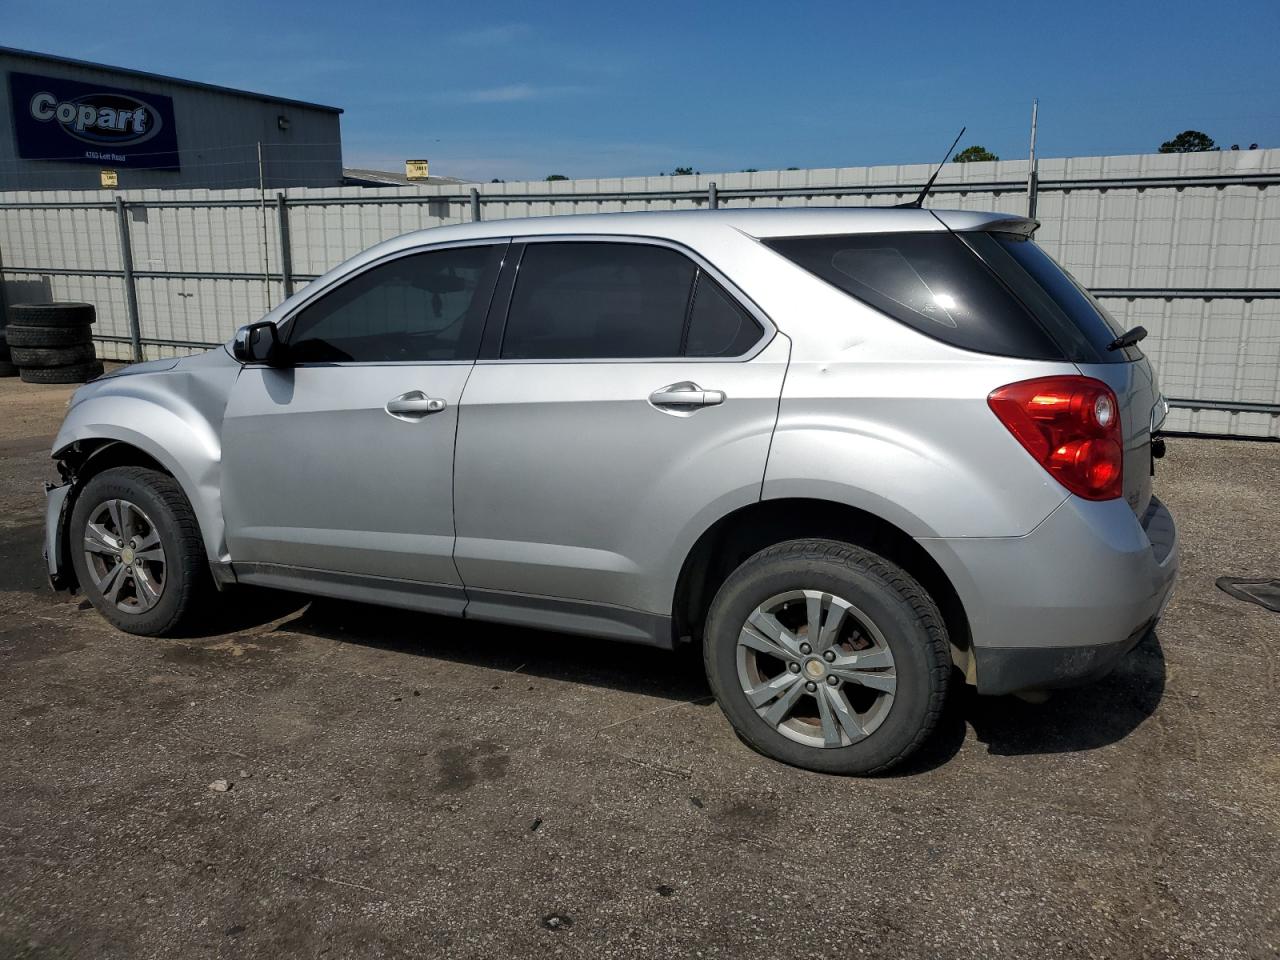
(511,93)
(496,35)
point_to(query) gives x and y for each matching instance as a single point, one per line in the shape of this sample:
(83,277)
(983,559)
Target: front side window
(421,307)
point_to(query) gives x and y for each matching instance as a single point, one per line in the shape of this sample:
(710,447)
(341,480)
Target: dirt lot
(410,786)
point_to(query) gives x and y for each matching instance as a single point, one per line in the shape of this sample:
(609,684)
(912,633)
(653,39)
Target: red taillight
(1071,425)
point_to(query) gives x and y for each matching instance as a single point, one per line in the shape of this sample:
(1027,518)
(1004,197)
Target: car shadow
(1073,720)
(1070,721)
(620,666)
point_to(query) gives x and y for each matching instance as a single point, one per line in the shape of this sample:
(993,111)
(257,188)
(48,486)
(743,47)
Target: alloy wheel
(123,554)
(816,668)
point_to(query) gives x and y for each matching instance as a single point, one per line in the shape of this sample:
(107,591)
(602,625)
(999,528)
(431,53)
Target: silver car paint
(570,484)
(172,411)
(318,475)
(871,414)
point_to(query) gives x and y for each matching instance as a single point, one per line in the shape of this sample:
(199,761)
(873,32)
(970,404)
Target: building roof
(366,177)
(161,78)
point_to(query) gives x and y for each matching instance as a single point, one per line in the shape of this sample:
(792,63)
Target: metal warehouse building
(69,124)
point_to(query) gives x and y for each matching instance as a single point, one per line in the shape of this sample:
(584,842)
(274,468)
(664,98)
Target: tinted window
(718,326)
(598,301)
(1072,314)
(930,281)
(425,306)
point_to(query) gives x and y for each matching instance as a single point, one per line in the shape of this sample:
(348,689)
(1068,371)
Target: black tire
(80,373)
(80,353)
(905,615)
(186,573)
(51,314)
(8,369)
(20,336)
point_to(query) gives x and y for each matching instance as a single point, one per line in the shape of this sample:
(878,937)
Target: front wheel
(136,549)
(827,656)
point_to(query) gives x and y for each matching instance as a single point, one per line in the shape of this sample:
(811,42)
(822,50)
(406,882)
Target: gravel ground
(409,786)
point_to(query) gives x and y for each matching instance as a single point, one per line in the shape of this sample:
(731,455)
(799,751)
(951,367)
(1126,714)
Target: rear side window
(598,301)
(929,281)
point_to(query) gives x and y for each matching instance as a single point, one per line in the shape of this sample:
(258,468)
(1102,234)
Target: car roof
(776,222)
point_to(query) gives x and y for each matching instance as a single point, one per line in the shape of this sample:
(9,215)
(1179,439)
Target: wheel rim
(816,668)
(124,556)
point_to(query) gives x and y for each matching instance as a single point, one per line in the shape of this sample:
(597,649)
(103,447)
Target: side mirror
(259,343)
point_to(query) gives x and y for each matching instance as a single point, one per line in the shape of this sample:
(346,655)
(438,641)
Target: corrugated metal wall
(1188,245)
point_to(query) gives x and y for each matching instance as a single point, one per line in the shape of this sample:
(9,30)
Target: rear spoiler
(971,221)
(1019,225)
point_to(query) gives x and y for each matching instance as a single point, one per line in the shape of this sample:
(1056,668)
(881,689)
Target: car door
(627,402)
(338,467)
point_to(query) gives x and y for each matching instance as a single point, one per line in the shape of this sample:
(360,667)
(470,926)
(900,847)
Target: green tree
(1189,141)
(557,176)
(975,154)
(682,172)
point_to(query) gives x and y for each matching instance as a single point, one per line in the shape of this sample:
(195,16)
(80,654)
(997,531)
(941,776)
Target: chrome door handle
(414,405)
(685,396)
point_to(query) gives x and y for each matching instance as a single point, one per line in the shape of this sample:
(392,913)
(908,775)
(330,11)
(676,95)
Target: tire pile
(50,343)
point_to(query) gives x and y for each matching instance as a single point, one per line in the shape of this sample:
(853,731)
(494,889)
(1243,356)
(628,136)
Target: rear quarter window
(932,282)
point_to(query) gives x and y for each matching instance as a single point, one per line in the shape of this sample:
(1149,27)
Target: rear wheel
(827,656)
(137,550)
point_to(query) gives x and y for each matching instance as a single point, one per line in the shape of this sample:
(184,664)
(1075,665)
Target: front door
(341,462)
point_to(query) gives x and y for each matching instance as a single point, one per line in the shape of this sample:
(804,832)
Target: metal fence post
(475,205)
(130,289)
(713,198)
(286,253)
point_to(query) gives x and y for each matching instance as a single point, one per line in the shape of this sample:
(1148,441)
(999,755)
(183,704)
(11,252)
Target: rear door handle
(685,396)
(414,405)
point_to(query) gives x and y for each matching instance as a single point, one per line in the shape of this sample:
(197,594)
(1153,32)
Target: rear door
(342,461)
(627,402)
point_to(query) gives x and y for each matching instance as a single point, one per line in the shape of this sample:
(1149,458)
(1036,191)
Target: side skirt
(522,610)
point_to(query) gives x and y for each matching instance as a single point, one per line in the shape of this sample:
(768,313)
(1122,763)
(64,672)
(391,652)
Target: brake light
(1071,425)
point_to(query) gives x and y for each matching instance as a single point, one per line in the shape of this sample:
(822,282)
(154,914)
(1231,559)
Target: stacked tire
(7,366)
(51,342)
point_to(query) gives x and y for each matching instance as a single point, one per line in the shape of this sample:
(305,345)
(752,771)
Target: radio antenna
(918,202)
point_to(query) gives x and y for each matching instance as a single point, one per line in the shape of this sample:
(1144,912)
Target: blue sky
(516,90)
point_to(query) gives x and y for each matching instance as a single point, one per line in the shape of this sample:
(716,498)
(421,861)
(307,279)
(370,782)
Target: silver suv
(851,453)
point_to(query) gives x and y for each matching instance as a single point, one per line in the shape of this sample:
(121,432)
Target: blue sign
(56,119)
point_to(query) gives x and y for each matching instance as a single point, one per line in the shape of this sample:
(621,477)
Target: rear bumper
(1061,605)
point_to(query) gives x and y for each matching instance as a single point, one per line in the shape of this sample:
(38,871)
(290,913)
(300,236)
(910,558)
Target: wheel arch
(85,448)
(738,535)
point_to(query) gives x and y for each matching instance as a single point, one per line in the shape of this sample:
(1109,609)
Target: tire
(8,369)
(155,504)
(80,353)
(51,314)
(887,620)
(20,336)
(79,373)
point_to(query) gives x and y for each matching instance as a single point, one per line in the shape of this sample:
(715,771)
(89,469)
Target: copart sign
(69,120)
